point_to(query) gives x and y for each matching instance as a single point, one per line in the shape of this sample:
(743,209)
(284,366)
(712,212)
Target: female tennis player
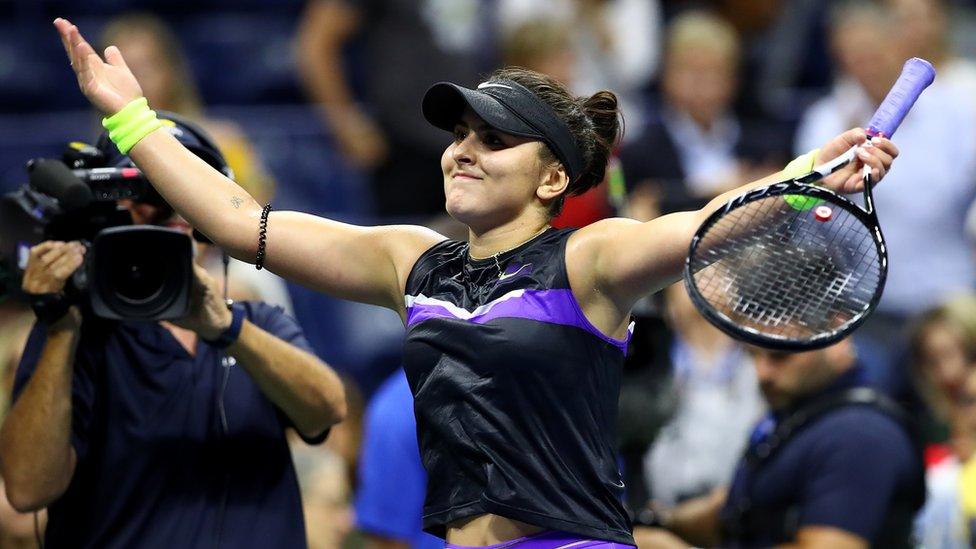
(515,338)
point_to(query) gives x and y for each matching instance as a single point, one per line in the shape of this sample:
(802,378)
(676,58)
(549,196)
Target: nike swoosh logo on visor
(491,85)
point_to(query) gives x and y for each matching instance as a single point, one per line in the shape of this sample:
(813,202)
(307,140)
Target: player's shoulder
(600,231)
(405,239)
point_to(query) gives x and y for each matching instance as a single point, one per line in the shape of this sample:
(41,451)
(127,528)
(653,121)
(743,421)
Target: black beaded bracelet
(262,236)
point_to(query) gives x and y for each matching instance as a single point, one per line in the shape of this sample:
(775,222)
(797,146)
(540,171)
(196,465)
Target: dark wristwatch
(49,308)
(230,335)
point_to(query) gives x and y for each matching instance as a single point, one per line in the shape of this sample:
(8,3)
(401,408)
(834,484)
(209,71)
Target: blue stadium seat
(243,58)
(41,135)
(311,175)
(34,72)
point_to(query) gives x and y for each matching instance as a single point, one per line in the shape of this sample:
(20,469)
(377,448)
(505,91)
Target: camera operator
(161,434)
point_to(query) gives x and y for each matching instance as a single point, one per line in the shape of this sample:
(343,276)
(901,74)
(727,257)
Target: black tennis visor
(508,107)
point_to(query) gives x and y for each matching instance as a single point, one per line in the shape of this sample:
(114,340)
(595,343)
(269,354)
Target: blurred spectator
(402,46)
(833,465)
(718,403)
(966,437)
(694,147)
(923,31)
(948,520)
(942,352)
(326,492)
(789,66)
(929,257)
(546,45)
(392,480)
(326,475)
(154,55)
(971,224)
(615,44)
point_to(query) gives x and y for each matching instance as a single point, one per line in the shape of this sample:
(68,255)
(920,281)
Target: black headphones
(188,133)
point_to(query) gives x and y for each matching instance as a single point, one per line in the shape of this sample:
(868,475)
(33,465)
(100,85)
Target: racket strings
(785,272)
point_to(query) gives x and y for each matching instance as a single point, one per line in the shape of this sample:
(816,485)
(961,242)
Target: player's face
(490,177)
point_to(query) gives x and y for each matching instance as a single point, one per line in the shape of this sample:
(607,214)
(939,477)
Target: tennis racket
(793,266)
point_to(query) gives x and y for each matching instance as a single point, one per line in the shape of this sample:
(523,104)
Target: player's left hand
(209,315)
(878,153)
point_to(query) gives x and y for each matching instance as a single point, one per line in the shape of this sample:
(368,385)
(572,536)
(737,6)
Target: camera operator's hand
(209,315)
(109,84)
(49,266)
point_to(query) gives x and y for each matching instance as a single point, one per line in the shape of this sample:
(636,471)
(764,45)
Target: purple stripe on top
(549,540)
(551,306)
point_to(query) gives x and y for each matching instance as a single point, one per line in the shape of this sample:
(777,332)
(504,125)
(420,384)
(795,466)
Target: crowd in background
(321,113)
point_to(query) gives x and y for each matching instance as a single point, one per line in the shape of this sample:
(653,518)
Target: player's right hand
(109,84)
(49,266)
(879,155)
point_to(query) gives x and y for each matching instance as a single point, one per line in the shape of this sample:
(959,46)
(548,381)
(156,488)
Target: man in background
(834,465)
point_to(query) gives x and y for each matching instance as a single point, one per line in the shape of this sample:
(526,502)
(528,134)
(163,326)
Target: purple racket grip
(915,76)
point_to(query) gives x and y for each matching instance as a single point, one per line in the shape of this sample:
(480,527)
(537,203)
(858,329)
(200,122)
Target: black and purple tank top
(515,391)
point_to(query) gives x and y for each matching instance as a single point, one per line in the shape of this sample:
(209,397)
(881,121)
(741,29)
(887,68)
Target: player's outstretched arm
(367,264)
(627,259)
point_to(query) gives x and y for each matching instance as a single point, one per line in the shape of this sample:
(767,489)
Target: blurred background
(317,107)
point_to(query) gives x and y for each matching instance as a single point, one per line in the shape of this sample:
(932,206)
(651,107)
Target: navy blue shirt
(854,468)
(159,463)
(392,481)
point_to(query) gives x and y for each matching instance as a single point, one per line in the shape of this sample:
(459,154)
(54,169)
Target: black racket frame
(798,186)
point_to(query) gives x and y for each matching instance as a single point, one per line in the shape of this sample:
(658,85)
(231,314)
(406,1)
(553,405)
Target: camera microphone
(54,179)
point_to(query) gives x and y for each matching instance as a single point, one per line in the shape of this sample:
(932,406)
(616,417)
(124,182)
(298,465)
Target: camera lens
(141,272)
(140,277)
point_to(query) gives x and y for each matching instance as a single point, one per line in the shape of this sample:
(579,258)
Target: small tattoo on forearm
(236,202)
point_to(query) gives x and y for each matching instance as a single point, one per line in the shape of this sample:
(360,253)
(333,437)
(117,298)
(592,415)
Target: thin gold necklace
(494,256)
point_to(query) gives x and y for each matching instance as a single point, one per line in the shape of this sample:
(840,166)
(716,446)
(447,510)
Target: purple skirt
(550,540)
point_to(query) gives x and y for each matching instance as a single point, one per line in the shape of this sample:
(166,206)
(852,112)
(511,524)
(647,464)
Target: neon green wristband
(128,126)
(801,165)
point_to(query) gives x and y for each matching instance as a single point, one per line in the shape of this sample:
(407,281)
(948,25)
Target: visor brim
(444,104)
